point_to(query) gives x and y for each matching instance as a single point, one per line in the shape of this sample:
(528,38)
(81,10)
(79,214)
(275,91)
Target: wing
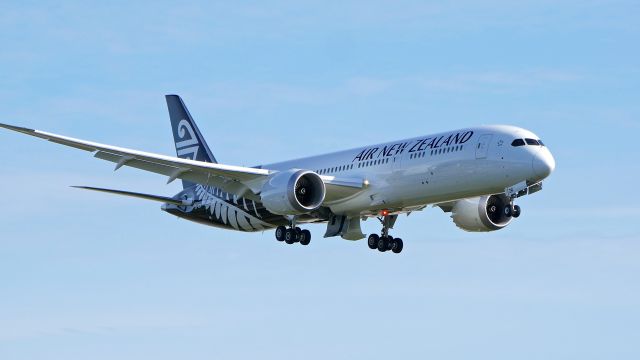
(242,181)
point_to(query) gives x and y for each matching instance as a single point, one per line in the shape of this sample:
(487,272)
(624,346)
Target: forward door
(482,148)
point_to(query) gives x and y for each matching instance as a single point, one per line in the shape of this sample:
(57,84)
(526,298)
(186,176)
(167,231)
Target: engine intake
(481,214)
(293,192)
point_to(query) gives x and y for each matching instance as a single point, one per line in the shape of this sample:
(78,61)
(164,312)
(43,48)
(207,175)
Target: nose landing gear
(512,210)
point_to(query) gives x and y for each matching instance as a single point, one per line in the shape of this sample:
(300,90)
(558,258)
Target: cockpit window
(532,142)
(541,143)
(517,142)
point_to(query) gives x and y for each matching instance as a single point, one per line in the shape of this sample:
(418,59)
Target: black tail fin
(189,141)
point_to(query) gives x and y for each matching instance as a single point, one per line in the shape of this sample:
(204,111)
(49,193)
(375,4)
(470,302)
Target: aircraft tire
(397,246)
(508,210)
(280,230)
(290,236)
(372,241)
(516,211)
(305,237)
(383,244)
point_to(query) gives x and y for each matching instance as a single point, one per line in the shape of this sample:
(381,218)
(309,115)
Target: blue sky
(86,275)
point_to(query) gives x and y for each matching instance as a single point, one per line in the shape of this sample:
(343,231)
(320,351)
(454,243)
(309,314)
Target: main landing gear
(385,242)
(293,235)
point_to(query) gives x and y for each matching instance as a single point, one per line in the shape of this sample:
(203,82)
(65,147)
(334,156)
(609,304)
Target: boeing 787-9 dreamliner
(475,174)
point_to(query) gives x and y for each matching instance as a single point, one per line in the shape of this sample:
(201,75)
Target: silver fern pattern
(226,209)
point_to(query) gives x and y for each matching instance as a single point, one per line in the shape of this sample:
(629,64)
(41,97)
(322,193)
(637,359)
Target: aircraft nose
(543,163)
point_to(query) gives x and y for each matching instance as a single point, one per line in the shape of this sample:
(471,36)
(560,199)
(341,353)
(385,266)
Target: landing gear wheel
(372,241)
(397,245)
(305,237)
(290,236)
(280,233)
(508,210)
(383,244)
(298,232)
(516,211)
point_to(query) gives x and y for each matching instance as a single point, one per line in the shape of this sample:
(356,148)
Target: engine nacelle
(480,214)
(293,192)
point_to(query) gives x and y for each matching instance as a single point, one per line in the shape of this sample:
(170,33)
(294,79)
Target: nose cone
(543,164)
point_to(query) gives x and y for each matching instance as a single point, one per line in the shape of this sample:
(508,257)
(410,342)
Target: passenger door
(483,146)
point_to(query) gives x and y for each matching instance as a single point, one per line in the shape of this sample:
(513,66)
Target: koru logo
(188,147)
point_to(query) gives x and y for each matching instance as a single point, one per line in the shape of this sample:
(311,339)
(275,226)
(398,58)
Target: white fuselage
(415,172)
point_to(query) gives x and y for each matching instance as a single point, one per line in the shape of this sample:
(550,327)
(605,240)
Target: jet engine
(293,192)
(480,214)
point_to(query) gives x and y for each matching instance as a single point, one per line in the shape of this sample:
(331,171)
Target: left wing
(162,199)
(242,181)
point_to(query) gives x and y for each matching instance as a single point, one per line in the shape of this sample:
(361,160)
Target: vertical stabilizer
(188,140)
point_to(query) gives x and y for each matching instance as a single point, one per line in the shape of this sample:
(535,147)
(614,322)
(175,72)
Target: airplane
(474,174)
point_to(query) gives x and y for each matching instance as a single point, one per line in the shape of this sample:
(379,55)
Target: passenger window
(532,142)
(517,142)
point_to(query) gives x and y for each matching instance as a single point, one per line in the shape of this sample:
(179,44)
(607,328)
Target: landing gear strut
(513,193)
(385,242)
(292,235)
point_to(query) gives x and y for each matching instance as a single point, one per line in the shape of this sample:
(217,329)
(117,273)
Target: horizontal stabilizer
(162,199)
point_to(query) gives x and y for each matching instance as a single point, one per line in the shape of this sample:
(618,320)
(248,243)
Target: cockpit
(527,141)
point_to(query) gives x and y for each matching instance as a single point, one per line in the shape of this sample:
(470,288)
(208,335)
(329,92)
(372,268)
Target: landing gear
(516,211)
(508,210)
(385,242)
(292,235)
(397,246)
(512,210)
(305,237)
(372,241)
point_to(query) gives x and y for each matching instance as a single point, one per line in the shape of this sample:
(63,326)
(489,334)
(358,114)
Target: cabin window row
(334,169)
(373,162)
(437,151)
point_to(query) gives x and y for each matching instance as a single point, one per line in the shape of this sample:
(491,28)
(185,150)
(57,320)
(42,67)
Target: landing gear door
(483,146)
